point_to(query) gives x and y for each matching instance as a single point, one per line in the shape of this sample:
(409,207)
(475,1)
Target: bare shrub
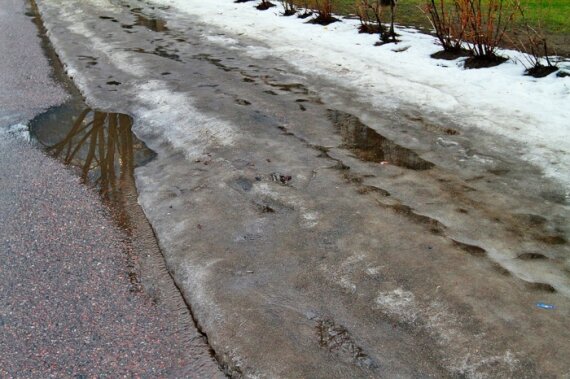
(480,26)
(370,11)
(448,25)
(288,7)
(537,61)
(324,9)
(532,42)
(486,25)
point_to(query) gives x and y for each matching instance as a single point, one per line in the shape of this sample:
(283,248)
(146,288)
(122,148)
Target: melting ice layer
(368,145)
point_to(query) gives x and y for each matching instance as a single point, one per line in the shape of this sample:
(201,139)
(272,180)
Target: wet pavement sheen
(73,302)
(310,242)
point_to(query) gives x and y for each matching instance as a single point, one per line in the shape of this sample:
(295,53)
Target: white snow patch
(258,52)
(372,271)
(398,303)
(444,325)
(179,122)
(347,284)
(121,59)
(221,40)
(105,4)
(196,277)
(342,275)
(310,219)
(498,100)
(264,189)
(472,364)
(18,131)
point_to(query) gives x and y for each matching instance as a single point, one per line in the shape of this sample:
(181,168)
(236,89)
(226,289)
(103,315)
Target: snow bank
(498,100)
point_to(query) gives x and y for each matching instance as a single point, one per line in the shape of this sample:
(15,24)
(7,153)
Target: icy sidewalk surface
(313,234)
(497,100)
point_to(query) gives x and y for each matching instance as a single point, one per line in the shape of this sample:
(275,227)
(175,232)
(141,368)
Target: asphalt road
(27,87)
(67,307)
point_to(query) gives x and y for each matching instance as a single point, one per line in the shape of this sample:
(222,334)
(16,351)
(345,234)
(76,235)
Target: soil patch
(264,5)
(386,40)
(540,71)
(320,20)
(154,24)
(369,29)
(484,62)
(305,15)
(450,55)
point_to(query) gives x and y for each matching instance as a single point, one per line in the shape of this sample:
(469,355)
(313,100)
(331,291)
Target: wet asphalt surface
(27,88)
(67,307)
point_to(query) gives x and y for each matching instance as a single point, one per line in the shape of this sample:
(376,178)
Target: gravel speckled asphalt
(67,307)
(26,86)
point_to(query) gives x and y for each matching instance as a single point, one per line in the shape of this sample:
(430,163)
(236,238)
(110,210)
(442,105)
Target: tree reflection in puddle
(100,145)
(370,146)
(154,24)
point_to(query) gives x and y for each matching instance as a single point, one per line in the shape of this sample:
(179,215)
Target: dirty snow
(399,303)
(445,327)
(17,131)
(497,100)
(188,130)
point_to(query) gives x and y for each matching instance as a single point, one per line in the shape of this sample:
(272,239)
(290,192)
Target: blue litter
(545,306)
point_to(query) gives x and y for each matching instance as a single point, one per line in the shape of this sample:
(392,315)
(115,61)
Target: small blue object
(545,306)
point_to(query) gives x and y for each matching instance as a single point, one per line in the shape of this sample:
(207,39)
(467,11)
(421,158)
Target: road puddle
(100,145)
(159,51)
(154,24)
(215,61)
(370,146)
(103,150)
(296,88)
